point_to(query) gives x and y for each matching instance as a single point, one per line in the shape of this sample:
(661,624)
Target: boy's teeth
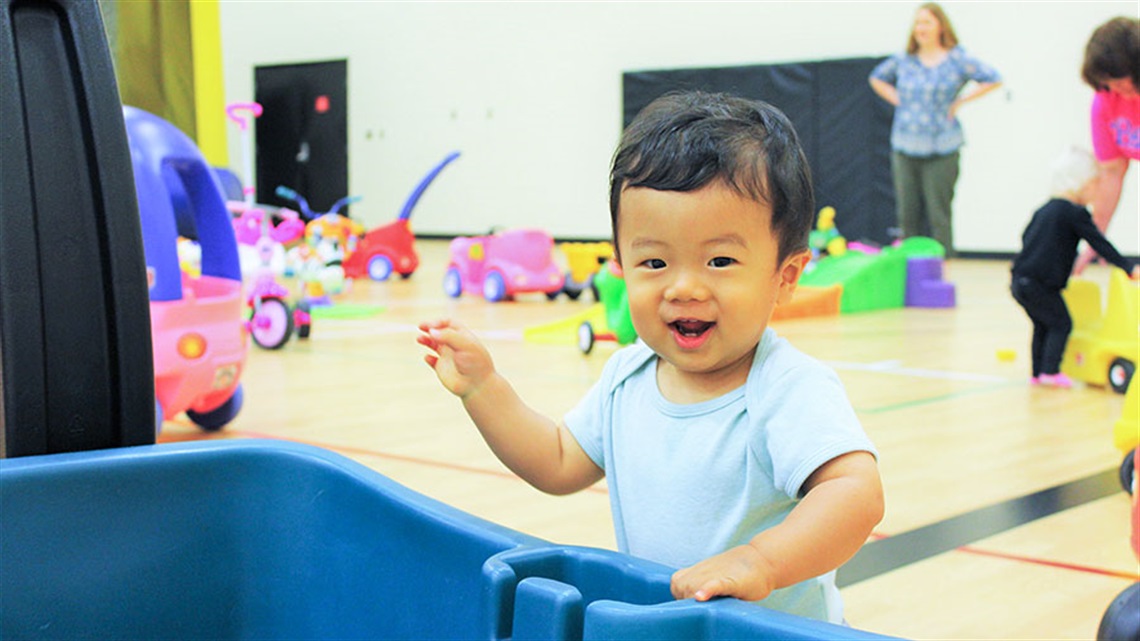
(691,328)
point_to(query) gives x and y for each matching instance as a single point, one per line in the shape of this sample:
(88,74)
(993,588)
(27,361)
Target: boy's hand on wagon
(740,572)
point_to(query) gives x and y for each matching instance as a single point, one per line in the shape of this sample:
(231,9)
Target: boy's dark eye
(654,263)
(721,261)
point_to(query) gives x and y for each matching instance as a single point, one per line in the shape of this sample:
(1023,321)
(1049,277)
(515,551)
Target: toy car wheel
(271,323)
(218,417)
(1127,469)
(452,283)
(379,268)
(1121,620)
(586,337)
(302,320)
(553,295)
(406,276)
(570,288)
(1120,374)
(494,287)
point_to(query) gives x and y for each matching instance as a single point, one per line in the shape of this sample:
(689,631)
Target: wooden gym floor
(1005,519)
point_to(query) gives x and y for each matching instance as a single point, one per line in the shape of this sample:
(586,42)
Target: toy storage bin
(247,539)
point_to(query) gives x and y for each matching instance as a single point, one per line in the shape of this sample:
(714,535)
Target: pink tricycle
(271,322)
(252,222)
(502,265)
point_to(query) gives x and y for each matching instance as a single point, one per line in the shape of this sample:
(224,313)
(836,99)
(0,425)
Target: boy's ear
(790,272)
(615,268)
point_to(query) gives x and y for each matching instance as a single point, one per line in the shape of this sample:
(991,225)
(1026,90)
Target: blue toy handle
(344,202)
(285,192)
(406,212)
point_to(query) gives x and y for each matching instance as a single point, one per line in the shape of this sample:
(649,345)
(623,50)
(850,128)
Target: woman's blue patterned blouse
(922,124)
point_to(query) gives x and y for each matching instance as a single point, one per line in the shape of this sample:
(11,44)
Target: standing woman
(1112,69)
(924,84)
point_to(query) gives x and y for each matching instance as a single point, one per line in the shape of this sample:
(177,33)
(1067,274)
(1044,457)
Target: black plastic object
(77,371)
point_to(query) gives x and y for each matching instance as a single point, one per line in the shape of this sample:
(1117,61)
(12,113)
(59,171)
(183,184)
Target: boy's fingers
(709,590)
(680,587)
(427,326)
(449,336)
(431,359)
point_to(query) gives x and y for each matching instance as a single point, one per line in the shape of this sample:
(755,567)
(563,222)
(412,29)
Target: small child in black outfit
(1049,247)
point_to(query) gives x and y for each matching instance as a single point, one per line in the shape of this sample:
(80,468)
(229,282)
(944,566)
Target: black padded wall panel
(843,127)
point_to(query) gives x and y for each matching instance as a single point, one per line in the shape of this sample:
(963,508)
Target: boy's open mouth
(689,332)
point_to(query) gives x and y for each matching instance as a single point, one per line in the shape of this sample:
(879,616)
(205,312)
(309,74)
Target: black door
(302,134)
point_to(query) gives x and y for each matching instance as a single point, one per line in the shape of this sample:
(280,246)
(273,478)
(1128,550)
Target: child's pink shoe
(1055,380)
(1034,381)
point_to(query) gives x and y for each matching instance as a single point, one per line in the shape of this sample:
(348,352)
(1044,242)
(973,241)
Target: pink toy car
(502,265)
(198,335)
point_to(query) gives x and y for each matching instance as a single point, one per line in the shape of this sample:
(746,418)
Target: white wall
(530,93)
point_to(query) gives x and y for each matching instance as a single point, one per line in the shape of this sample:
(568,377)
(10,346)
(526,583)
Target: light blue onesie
(687,482)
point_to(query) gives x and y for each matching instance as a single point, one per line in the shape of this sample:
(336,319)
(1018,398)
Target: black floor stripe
(884,555)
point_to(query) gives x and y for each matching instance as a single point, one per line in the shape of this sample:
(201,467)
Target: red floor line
(1035,561)
(1131,576)
(362,452)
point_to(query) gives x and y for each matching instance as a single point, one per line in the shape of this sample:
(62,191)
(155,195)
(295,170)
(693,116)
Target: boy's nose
(687,286)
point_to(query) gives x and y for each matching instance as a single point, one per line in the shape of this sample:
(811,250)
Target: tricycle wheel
(1120,374)
(218,417)
(302,319)
(1127,469)
(379,267)
(271,323)
(586,337)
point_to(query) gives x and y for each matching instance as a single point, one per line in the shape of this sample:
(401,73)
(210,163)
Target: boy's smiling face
(702,276)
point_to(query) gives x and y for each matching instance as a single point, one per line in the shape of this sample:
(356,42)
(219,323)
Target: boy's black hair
(684,141)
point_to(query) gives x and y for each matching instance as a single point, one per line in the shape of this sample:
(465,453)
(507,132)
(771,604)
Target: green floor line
(938,399)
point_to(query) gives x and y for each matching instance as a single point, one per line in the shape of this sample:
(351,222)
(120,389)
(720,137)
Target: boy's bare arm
(843,504)
(542,452)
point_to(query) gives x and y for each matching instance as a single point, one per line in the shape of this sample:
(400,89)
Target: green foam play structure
(871,281)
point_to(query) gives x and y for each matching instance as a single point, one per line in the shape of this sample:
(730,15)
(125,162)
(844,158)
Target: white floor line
(894,368)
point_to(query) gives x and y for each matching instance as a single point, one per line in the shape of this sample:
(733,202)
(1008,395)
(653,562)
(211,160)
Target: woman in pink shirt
(1112,68)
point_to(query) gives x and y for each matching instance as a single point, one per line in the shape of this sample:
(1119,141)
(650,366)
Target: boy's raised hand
(459,359)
